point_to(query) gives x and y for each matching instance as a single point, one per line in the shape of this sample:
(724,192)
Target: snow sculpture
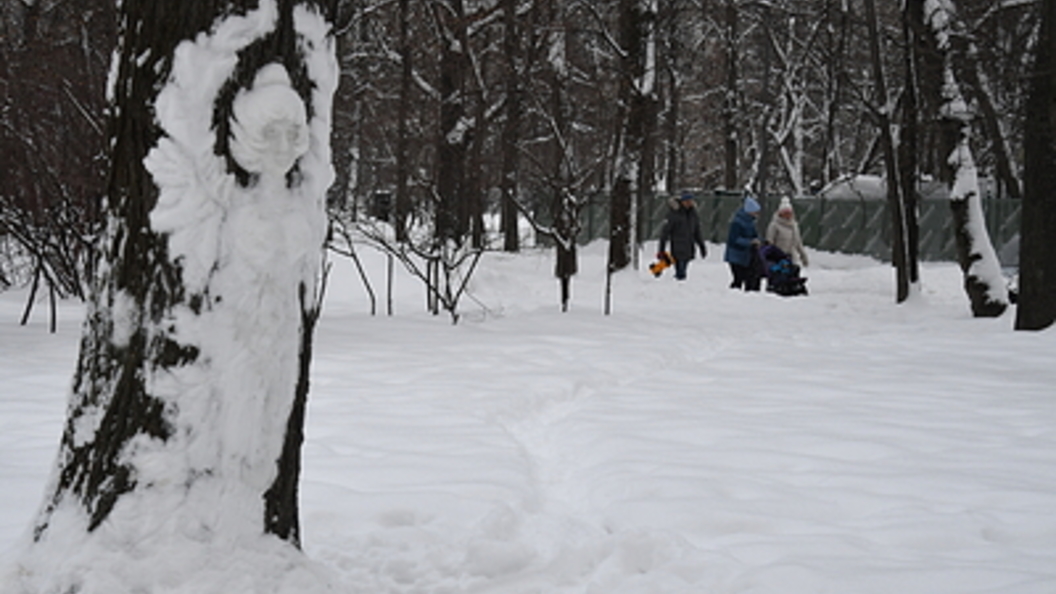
(221,326)
(270,128)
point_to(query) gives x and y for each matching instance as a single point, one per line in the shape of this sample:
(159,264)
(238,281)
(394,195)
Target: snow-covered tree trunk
(1036,308)
(983,280)
(179,464)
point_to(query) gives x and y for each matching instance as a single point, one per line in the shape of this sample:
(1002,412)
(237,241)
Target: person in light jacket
(682,230)
(783,232)
(742,247)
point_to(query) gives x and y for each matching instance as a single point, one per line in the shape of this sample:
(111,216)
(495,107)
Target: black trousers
(745,277)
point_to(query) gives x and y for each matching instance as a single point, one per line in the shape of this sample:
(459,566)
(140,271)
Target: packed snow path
(698,440)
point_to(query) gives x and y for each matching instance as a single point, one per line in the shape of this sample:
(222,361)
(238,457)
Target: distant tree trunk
(909,136)
(1036,308)
(730,100)
(895,200)
(647,106)
(403,194)
(672,66)
(453,138)
(473,197)
(836,34)
(620,225)
(512,127)
(762,169)
(186,418)
(631,130)
(565,206)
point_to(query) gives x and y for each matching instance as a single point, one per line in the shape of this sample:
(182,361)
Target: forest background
(453,112)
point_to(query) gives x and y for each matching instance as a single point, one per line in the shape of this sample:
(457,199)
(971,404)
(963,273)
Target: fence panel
(845,226)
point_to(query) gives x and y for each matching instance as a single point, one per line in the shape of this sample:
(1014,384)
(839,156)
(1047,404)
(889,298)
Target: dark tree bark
(909,135)
(836,36)
(620,225)
(511,129)
(762,171)
(896,204)
(452,212)
(403,112)
(730,99)
(110,374)
(147,301)
(673,97)
(565,206)
(1037,264)
(634,28)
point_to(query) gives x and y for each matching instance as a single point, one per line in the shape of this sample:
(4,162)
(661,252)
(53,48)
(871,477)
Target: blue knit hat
(686,196)
(751,205)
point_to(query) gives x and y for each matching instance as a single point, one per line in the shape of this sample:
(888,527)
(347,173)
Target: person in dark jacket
(682,230)
(742,243)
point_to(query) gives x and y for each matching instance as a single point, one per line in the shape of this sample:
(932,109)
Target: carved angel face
(270,127)
(282,142)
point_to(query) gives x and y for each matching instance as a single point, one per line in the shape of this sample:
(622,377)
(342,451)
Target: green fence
(846,226)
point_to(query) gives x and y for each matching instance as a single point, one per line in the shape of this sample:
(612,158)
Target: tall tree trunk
(647,106)
(730,99)
(762,168)
(565,206)
(631,129)
(909,137)
(186,417)
(453,139)
(473,197)
(403,194)
(672,140)
(894,195)
(833,90)
(1036,308)
(512,127)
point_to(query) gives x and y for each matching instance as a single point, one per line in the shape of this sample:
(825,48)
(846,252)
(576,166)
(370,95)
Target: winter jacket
(739,239)
(682,230)
(784,233)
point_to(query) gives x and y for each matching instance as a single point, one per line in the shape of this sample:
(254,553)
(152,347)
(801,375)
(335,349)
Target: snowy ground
(699,440)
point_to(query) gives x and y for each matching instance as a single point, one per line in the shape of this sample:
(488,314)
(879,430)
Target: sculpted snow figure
(270,130)
(180,460)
